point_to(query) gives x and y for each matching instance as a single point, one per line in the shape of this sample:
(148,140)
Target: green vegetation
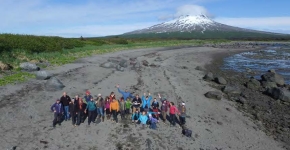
(15,78)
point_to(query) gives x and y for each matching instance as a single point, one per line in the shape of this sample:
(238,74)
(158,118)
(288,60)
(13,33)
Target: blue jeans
(153,126)
(100,111)
(66,113)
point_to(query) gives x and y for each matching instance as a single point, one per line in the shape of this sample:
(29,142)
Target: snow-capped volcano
(188,23)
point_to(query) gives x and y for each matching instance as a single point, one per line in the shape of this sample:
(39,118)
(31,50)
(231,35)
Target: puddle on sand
(277,58)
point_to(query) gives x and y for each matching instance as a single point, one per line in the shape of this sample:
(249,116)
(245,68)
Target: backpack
(186,132)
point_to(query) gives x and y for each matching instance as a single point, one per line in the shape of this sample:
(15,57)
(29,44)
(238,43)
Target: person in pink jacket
(172,113)
(107,108)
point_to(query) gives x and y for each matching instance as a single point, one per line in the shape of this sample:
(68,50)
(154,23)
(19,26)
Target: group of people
(145,110)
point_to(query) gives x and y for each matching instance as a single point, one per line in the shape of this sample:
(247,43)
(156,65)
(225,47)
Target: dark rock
(119,68)
(221,80)
(54,84)
(184,67)
(42,75)
(214,95)
(27,66)
(145,63)
(272,70)
(273,77)
(241,100)
(158,59)
(267,84)
(199,68)
(253,84)
(231,89)
(279,93)
(108,65)
(208,77)
(123,63)
(153,65)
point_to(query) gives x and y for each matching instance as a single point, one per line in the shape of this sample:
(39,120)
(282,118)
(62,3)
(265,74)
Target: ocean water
(259,62)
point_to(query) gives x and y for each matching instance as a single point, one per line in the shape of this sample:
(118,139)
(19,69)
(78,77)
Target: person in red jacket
(172,113)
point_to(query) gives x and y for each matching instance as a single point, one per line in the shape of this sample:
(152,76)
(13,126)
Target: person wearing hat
(57,108)
(100,107)
(182,114)
(88,96)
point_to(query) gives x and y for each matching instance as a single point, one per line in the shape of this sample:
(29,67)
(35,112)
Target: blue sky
(75,18)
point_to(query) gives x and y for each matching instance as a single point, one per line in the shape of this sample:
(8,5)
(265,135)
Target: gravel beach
(216,124)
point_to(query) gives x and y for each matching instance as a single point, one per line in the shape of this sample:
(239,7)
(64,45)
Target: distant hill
(199,27)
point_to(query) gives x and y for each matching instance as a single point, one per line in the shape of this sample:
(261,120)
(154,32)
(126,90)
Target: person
(172,113)
(182,110)
(114,109)
(143,119)
(122,108)
(146,102)
(128,105)
(135,116)
(112,96)
(136,105)
(107,108)
(153,122)
(125,93)
(91,107)
(57,108)
(155,108)
(81,111)
(73,109)
(88,96)
(65,100)
(164,107)
(100,106)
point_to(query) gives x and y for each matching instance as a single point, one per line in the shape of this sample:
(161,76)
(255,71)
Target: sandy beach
(216,124)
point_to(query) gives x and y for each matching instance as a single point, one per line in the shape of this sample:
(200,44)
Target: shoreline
(213,122)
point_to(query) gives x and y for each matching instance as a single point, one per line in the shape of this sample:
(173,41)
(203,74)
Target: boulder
(208,77)
(199,68)
(119,68)
(221,80)
(253,84)
(273,77)
(42,75)
(54,84)
(145,63)
(4,66)
(158,59)
(267,84)
(279,93)
(27,66)
(108,65)
(214,95)
(123,63)
(231,89)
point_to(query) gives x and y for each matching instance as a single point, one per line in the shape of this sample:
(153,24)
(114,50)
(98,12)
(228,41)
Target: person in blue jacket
(153,122)
(126,94)
(146,102)
(57,108)
(143,119)
(91,107)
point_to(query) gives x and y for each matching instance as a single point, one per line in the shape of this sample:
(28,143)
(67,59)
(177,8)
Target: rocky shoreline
(265,101)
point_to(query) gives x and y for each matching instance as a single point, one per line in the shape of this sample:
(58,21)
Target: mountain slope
(195,27)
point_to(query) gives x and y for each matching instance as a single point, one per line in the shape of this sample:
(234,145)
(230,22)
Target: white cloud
(191,10)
